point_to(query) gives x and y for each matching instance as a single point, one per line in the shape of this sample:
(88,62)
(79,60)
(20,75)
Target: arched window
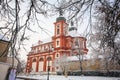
(49,58)
(34,60)
(57,43)
(57,55)
(41,59)
(76,42)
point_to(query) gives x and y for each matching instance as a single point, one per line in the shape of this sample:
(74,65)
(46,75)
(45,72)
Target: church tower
(60,32)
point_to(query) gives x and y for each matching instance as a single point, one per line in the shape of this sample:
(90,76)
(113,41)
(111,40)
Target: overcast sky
(48,24)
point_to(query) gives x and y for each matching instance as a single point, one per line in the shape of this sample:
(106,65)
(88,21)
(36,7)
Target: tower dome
(73,30)
(60,15)
(60,18)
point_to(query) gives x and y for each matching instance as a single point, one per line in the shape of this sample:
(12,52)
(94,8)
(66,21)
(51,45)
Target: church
(65,41)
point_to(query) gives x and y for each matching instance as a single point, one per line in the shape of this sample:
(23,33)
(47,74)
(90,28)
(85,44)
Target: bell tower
(60,32)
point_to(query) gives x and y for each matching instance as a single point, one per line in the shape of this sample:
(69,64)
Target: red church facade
(42,56)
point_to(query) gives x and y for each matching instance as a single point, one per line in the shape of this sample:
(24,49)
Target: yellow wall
(96,65)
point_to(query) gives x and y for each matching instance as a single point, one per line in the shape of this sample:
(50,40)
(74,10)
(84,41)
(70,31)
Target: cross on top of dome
(60,11)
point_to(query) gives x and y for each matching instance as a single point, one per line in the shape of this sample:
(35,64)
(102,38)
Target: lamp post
(48,70)
(48,62)
(50,49)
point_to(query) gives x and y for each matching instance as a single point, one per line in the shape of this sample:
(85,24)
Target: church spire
(60,15)
(60,12)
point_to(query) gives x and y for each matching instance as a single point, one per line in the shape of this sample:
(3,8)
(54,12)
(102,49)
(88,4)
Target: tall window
(58,30)
(57,43)
(65,29)
(57,55)
(76,42)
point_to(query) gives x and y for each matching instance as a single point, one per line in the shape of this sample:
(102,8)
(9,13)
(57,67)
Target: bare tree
(108,25)
(11,12)
(104,54)
(108,21)
(62,63)
(77,51)
(17,20)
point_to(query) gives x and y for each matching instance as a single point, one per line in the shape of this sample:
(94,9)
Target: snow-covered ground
(54,77)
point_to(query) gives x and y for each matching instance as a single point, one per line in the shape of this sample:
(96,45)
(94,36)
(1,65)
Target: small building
(4,47)
(65,40)
(5,61)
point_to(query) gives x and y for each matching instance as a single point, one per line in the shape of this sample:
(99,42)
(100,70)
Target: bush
(92,73)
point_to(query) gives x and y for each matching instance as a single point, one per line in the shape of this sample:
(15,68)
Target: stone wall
(93,65)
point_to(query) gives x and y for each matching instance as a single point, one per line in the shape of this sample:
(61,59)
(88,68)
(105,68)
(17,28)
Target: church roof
(73,33)
(60,18)
(43,41)
(47,40)
(75,58)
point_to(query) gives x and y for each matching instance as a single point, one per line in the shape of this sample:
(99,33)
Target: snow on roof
(85,57)
(43,41)
(76,58)
(72,58)
(47,40)
(74,33)
(2,37)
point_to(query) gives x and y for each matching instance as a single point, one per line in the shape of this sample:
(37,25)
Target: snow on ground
(54,77)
